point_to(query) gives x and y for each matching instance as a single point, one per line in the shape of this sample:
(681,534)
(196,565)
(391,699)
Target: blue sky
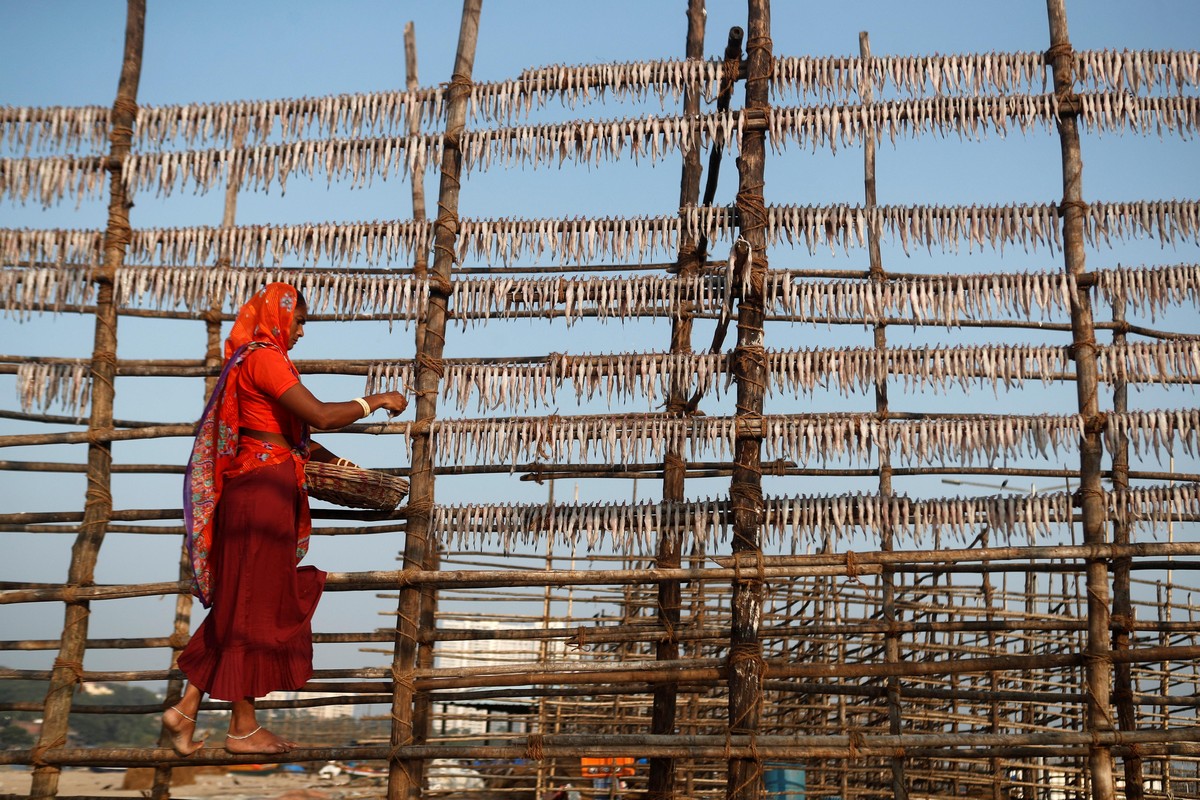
(68,53)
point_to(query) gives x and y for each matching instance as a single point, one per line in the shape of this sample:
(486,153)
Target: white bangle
(365,407)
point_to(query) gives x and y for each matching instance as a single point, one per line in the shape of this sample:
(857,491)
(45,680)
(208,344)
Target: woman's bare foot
(259,740)
(182,728)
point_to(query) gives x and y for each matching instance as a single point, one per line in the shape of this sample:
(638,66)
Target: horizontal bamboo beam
(542,471)
(833,746)
(144,514)
(916,322)
(767,568)
(707,670)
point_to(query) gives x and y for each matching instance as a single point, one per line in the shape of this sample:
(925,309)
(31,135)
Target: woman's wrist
(364,405)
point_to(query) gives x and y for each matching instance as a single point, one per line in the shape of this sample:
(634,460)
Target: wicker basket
(354,486)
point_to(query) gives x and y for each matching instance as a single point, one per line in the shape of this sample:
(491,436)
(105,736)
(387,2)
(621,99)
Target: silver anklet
(185,716)
(247,736)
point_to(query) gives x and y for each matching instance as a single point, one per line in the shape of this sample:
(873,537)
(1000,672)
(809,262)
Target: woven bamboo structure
(825,611)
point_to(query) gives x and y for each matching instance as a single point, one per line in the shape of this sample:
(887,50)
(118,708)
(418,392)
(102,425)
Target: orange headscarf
(267,317)
(264,321)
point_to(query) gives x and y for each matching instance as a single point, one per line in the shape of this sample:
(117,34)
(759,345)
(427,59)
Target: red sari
(247,521)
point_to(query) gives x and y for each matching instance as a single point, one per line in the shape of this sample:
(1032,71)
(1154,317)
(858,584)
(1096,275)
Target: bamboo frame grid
(886,645)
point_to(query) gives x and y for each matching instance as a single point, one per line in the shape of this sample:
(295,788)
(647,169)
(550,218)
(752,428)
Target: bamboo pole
(693,670)
(816,320)
(69,663)
(429,599)
(732,570)
(1099,666)
(888,585)
(404,774)
(746,665)
(1123,613)
(832,746)
(661,780)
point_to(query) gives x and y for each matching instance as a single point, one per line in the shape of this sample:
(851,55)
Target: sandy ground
(282,786)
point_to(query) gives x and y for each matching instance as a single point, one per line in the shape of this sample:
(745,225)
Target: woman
(247,521)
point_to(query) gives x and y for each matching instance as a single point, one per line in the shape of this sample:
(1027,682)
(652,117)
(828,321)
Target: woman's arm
(330,416)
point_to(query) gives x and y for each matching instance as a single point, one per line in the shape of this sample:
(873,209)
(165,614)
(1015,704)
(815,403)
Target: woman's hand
(392,402)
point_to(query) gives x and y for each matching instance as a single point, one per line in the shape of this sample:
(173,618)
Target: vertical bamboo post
(661,781)
(1123,611)
(422,708)
(68,666)
(404,776)
(749,368)
(1098,666)
(421,257)
(891,645)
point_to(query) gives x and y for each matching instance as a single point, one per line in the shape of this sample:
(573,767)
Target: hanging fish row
(636,527)
(360,161)
(40,385)
(1149,290)
(944,299)
(630,438)
(846,76)
(628,238)
(365,114)
(627,376)
(949,298)
(1151,430)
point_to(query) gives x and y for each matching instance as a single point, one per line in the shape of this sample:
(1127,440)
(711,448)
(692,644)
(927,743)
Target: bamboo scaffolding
(930,646)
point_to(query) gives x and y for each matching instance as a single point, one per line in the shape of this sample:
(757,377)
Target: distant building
(484,717)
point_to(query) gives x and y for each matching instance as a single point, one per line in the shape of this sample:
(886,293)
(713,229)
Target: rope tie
(760,43)
(419,508)
(74,667)
(37,756)
(730,68)
(118,235)
(1064,92)
(97,493)
(435,365)
(403,677)
(125,105)
(752,211)
(446,224)
(1056,50)
(534,747)
(855,744)
(420,427)
(747,653)
(689,257)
